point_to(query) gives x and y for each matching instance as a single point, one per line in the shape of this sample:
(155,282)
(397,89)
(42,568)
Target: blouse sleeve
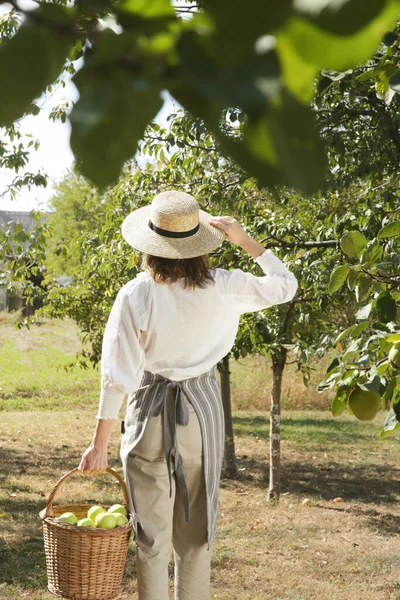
(122,359)
(246,292)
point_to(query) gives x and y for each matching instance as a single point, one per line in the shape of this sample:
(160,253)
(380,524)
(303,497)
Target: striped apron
(204,393)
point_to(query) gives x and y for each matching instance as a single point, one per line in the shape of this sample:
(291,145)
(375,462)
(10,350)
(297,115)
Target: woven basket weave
(84,563)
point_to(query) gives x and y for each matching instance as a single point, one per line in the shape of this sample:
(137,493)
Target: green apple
(106,520)
(118,508)
(121,520)
(69,518)
(94,511)
(86,523)
(394,356)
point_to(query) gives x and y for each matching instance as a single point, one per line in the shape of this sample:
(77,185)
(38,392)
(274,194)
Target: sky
(54,155)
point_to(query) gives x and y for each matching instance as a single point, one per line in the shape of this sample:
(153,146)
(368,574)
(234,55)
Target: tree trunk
(229,454)
(275,430)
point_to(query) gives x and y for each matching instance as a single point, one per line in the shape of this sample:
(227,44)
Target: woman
(166,332)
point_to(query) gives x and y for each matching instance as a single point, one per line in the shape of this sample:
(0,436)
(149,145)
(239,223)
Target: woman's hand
(234,232)
(94,460)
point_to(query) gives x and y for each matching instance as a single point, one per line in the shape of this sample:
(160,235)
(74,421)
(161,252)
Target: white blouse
(181,333)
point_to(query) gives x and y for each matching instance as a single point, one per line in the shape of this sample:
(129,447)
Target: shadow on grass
(50,463)
(22,560)
(372,483)
(381,523)
(308,429)
(367,484)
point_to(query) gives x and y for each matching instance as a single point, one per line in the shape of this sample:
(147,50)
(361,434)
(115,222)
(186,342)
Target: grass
(338,550)
(32,368)
(33,374)
(343,544)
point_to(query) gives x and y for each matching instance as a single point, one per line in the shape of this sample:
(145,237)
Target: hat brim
(137,233)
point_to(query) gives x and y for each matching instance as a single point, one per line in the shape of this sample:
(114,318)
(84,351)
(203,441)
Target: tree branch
(303,244)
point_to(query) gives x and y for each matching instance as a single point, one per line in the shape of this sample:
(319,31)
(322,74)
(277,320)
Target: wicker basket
(84,563)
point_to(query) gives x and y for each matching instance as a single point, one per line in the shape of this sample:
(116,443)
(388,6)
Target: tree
(262,59)
(370,243)
(22,256)
(357,112)
(77,208)
(14,150)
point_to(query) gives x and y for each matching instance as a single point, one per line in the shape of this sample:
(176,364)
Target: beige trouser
(163,518)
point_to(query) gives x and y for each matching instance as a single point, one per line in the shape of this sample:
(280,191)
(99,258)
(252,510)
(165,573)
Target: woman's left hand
(94,460)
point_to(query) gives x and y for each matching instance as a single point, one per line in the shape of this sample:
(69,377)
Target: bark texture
(275,429)
(229,454)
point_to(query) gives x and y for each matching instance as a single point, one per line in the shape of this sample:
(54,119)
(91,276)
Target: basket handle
(49,505)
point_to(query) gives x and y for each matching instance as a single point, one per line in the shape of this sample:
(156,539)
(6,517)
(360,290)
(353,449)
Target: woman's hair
(195,272)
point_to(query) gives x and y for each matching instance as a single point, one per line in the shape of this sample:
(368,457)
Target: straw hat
(172,226)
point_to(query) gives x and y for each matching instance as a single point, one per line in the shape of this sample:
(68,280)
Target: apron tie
(175,412)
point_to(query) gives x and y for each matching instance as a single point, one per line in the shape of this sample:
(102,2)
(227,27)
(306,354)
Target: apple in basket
(94,511)
(118,508)
(69,518)
(121,519)
(86,523)
(106,520)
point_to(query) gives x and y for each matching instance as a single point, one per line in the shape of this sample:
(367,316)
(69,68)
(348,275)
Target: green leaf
(362,287)
(353,243)
(394,337)
(352,349)
(390,230)
(335,75)
(359,328)
(31,60)
(390,426)
(352,279)
(335,363)
(384,345)
(109,120)
(325,385)
(148,9)
(344,334)
(366,75)
(396,400)
(382,368)
(372,253)
(394,82)
(372,386)
(280,147)
(298,75)
(286,140)
(328,51)
(386,307)
(389,38)
(237,28)
(252,83)
(337,278)
(340,18)
(387,396)
(338,405)
(364,312)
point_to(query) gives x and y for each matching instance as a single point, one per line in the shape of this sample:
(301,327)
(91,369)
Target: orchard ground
(326,549)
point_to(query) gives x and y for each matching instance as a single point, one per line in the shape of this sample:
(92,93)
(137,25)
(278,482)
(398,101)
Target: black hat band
(173,234)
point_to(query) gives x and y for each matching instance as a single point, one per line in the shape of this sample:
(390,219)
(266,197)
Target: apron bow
(175,411)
